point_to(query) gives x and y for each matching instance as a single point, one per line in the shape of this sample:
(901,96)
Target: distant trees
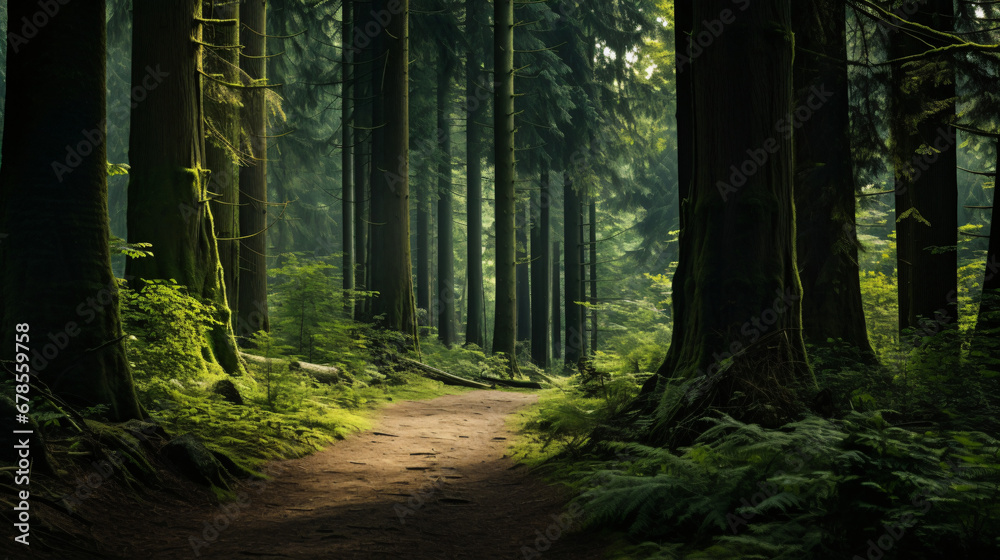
(58,296)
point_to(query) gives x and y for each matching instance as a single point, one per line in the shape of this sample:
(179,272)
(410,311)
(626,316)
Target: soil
(431,481)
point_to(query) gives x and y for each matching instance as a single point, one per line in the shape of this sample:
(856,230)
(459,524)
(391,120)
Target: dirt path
(431,481)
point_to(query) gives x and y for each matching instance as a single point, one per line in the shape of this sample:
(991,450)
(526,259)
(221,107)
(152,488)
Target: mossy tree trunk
(167,194)
(252,310)
(824,179)
(925,159)
(988,322)
(557,351)
(222,118)
(390,209)
(741,348)
(505,317)
(55,265)
(474,84)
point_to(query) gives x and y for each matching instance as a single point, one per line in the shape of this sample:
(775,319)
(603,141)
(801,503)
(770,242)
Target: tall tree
(573,340)
(925,160)
(364,68)
(58,295)
(167,182)
(252,310)
(390,208)
(741,348)
(592,277)
(222,123)
(347,153)
(541,311)
(474,90)
(505,320)
(824,179)
(445,292)
(557,350)
(521,224)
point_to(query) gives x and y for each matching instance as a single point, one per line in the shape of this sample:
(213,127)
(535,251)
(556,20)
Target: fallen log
(321,373)
(513,382)
(444,377)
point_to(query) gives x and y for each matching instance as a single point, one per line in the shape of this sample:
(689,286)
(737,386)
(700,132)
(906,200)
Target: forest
(565,279)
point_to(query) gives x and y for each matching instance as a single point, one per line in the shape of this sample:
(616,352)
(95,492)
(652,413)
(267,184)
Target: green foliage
(814,489)
(166,329)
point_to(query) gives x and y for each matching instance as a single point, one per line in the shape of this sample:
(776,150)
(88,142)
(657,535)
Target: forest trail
(431,480)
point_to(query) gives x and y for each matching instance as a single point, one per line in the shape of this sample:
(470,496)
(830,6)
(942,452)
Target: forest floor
(431,480)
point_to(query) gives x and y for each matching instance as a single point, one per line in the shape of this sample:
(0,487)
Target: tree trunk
(474,81)
(505,318)
(362,159)
(347,156)
(988,321)
(167,187)
(424,243)
(684,116)
(592,227)
(557,351)
(521,225)
(741,349)
(253,314)
(58,295)
(926,185)
(824,188)
(445,293)
(222,114)
(541,311)
(390,236)
(573,339)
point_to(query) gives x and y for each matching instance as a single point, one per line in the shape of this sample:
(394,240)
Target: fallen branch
(513,382)
(445,377)
(321,373)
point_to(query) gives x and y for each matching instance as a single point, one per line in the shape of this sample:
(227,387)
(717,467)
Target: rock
(227,389)
(195,461)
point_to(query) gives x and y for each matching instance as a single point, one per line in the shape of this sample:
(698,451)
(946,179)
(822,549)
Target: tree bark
(252,311)
(592,228)
(505,320)
(474,83)
(521,225)
(347,156)
(223,114)
(391,277)
(362,159)
(55,265)
(167,184)
(926,183)
(445,293)
(573,339)
(541,310)
(825,188)
(741,349)
(557,351)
